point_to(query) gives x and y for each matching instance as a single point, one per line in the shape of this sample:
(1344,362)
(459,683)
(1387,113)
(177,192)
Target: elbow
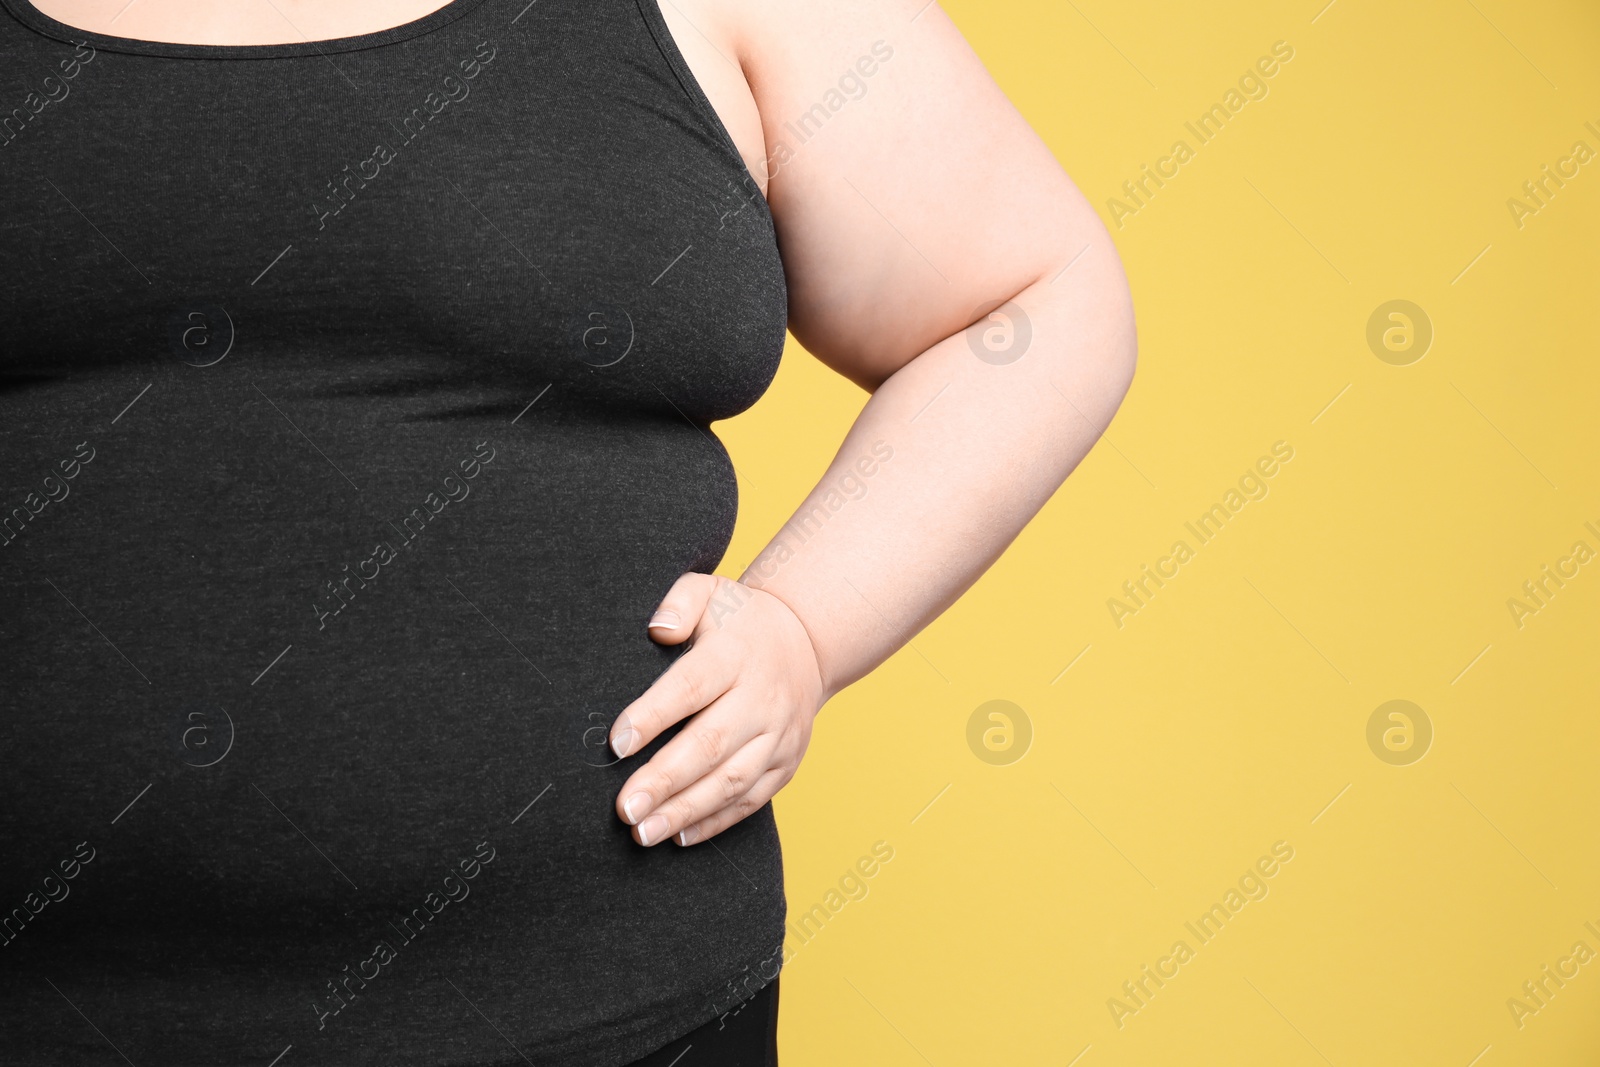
(1102,355)
(1125,356)
(1118,347)
(1094,305)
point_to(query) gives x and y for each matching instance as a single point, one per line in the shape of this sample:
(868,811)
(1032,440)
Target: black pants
(746,1037)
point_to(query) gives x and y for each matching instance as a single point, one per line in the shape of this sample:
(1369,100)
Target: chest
(537,198)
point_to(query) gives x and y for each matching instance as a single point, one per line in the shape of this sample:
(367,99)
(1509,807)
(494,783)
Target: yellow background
(1232,709)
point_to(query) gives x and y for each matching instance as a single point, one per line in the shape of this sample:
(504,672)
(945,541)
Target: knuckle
(711,740)
(735,783)
(681,812)
(662,782)
(692,688)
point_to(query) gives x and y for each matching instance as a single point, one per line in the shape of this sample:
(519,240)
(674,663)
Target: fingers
(728,787)
(693,682)
(749,714)
(765,789)
(710,755)
(680,610)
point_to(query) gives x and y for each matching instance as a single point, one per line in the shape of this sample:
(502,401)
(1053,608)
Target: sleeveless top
(355,405)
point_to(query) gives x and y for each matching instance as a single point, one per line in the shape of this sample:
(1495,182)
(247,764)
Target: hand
(753,686)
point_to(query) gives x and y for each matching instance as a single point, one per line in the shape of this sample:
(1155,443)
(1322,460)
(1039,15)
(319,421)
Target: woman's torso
(354,411)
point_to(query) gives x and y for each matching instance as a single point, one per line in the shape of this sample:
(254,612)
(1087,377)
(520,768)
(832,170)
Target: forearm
(947,462)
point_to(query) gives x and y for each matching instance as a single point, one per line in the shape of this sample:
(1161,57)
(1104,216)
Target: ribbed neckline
(34,19)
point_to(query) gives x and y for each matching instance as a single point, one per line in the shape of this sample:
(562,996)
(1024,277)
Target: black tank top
(355,407)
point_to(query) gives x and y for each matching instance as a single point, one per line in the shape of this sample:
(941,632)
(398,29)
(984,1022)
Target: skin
(917,206)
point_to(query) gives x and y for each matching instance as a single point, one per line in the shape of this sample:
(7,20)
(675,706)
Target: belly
(302,648)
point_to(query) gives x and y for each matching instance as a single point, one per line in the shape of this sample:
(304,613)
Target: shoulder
(754,60)
(906,190)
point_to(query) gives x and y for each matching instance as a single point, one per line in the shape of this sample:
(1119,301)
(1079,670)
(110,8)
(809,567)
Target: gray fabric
(311,627)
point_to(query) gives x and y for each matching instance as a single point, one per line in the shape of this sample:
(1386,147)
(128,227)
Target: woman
(361,503)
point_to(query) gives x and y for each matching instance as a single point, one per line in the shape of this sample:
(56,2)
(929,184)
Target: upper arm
(909,195)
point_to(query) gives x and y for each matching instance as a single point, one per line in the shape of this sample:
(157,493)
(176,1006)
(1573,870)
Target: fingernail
(684,837)
(652,828)
(663,620)
(638,800)
(622,744)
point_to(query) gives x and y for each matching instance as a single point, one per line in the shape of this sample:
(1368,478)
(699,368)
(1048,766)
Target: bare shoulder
(907,191)
(735,47)
(707,35)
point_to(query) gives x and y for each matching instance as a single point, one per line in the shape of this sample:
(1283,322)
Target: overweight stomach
(305,708)
(275,674)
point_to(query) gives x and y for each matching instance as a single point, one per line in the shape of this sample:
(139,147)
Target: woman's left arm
(938,256)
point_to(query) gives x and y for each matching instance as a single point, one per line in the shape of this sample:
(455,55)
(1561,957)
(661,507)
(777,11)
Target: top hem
(34,19)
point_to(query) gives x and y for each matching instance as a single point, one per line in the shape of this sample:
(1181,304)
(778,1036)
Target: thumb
(680,611)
